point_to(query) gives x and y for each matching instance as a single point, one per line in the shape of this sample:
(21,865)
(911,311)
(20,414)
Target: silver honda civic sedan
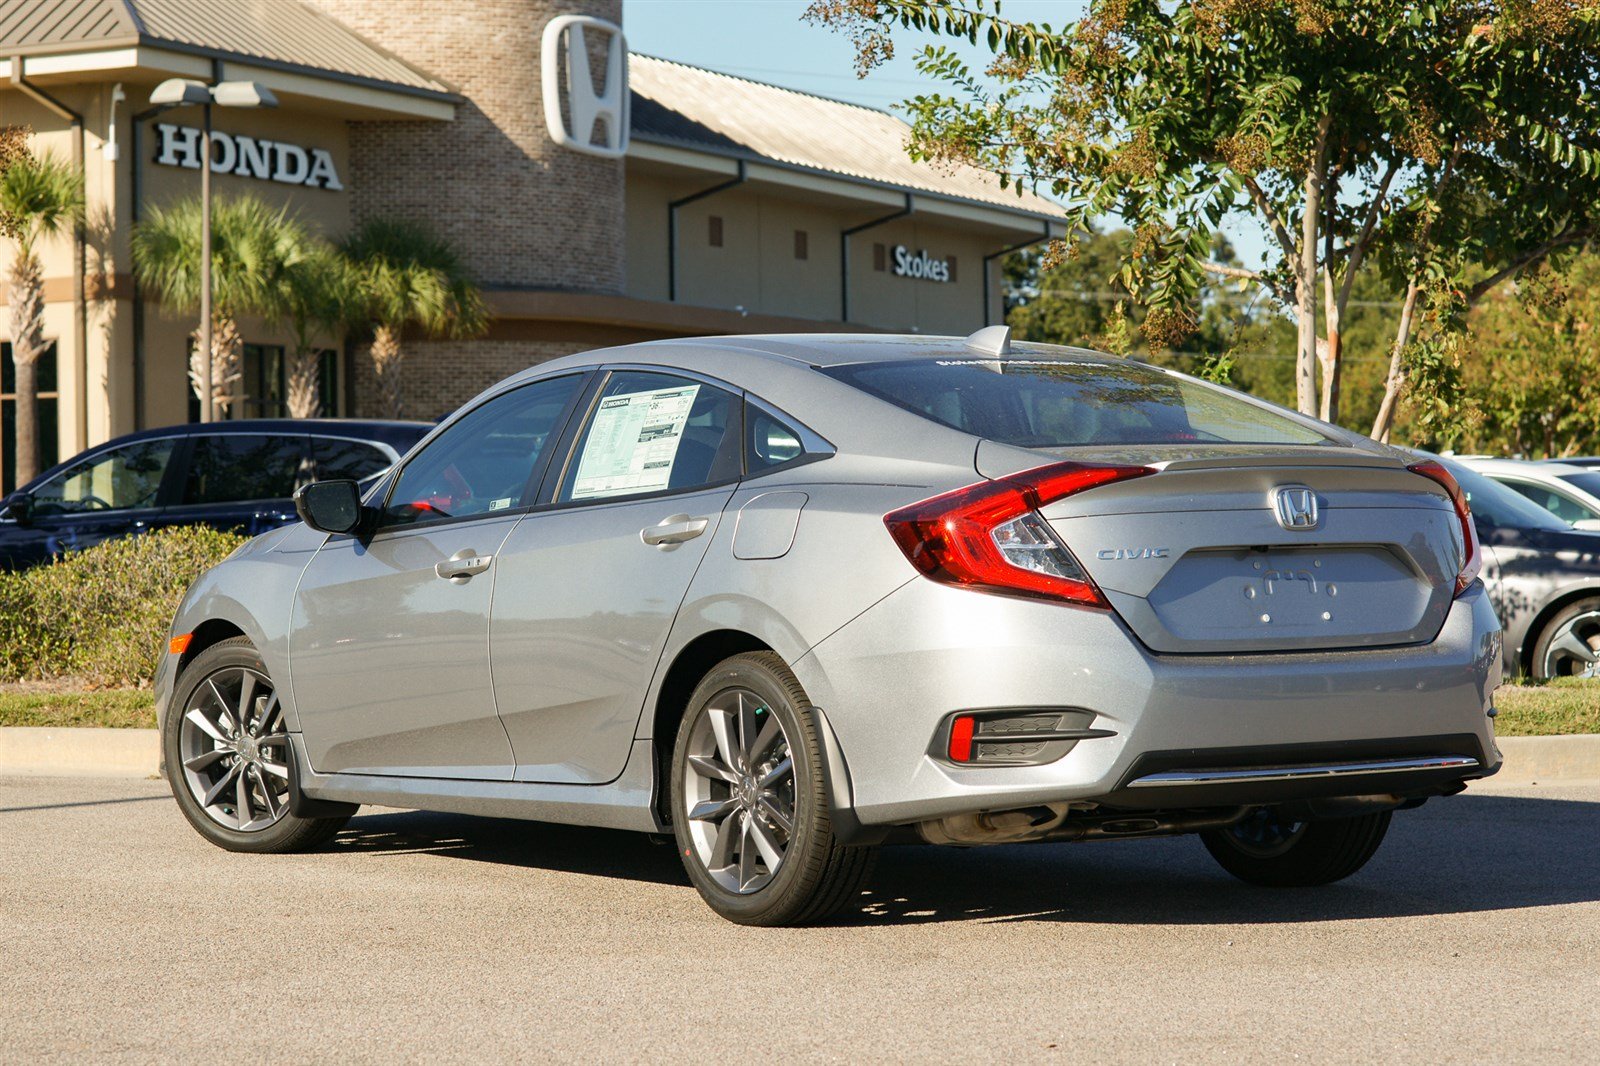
(791,598)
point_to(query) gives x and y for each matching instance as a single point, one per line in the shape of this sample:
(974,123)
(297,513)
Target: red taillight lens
(1472,555)
(989,536)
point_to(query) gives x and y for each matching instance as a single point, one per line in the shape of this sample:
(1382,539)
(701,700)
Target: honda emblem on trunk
(1296,507)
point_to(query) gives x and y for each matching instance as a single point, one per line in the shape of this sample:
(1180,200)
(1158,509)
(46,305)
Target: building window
(264,385)
(46,417)
(880,258)
(716,231)
(801,249)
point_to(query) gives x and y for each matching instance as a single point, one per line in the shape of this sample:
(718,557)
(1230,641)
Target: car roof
(1536,470)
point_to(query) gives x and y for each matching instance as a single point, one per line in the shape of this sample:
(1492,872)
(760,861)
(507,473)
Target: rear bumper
(1189,730)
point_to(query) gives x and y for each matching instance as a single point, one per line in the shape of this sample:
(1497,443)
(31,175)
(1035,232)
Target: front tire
(226,747)
(1569,644)
(750,806)
(1266,849)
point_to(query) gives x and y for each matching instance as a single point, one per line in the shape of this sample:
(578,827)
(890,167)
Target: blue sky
(766,41)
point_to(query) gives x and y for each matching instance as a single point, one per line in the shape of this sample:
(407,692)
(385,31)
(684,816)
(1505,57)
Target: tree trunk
(1305,285)
(1391,388)
(386,360)
(1330,348)
(305,397)
(27,345)
(227,363)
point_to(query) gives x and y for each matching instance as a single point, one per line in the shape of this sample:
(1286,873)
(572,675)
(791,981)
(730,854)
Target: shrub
(101,615)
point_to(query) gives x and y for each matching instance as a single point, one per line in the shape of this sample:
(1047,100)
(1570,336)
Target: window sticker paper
(633,443)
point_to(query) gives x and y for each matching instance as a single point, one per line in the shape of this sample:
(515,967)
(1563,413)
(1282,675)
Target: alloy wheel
(739,794)
(1263,834)
(234,742)
(1574,650)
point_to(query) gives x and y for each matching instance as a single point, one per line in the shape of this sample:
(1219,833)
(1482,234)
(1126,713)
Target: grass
(1562,706)
(1526,710)
(116,708)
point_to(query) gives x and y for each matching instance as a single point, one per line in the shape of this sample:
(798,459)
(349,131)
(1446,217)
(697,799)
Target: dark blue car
(229,475)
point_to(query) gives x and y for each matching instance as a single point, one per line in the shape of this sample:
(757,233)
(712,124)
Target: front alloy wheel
(225,739)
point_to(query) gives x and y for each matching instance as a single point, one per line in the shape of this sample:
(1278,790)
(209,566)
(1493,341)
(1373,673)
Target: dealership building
(597,197)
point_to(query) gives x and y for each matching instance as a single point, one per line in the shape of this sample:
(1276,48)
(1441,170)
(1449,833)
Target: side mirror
(329,506)
(19,505)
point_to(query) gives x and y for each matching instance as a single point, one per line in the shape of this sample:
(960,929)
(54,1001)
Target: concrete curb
(1549,758)
(48,752)
(34,751)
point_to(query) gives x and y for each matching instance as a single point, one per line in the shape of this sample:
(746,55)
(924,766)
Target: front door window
(125,478)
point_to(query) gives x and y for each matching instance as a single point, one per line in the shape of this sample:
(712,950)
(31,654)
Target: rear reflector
(1472,554)
(961,738)
(1020,737)
(990,537)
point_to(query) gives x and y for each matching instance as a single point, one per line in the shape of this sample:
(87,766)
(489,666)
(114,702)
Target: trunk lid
(1195,558)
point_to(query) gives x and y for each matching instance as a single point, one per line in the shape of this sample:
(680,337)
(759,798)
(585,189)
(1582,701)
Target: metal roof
(282,33)
(677,104)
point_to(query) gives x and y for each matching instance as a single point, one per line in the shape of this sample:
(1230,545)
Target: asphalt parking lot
(1474,935)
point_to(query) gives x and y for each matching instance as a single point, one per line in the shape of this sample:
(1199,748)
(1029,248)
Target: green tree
(40,197)
(255,250)
(405,276)
(1534,380)
(1450,145)
(318,295)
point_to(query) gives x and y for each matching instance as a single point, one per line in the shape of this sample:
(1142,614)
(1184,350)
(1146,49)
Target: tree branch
(1279,230)
(1569,235)
(1223,270)
(1358,249)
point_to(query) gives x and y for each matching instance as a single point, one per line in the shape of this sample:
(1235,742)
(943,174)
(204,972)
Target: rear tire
(760,846)
(207,753)
(1263,849)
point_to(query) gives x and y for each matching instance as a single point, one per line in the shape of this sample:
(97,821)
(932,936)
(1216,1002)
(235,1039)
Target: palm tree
(408,277)
(254,249)
(39,198)
(319,295)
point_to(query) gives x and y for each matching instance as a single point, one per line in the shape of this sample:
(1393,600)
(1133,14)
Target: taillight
(990,536)
(1472,557)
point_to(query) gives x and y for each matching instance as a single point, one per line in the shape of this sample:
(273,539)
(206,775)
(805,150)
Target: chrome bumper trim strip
(1295,773)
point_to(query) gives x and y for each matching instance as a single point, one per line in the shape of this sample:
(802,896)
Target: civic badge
(1296,507)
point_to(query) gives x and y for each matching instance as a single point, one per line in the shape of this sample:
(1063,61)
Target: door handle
(461,566)
(673,530)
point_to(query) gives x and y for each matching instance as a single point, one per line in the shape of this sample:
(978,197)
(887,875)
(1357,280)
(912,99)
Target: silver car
(790,598)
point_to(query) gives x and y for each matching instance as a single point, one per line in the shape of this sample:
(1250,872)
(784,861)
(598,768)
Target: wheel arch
(1536,627)
(208,633)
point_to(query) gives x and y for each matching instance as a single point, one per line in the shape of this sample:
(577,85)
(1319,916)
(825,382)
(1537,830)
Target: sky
(765,40)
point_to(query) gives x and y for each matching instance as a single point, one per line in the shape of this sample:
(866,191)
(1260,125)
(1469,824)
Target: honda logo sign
(594,121)
(1296,506)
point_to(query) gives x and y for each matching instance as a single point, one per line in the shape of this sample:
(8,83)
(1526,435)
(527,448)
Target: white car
(1568,491)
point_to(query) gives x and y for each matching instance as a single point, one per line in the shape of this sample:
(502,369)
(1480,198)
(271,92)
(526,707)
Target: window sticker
(500,505)
(633,443)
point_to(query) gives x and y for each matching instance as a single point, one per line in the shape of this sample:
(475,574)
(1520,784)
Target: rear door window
(353,460)
(772,442)
(649,433)
(1559,504)
(1065,402)
(236,467)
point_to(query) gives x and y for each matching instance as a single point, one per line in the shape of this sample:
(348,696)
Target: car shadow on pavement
(1460,855)
(545,845)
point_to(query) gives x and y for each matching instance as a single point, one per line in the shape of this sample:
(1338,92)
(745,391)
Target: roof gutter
(672,224)
(990,258)
(80,300)
(844,251)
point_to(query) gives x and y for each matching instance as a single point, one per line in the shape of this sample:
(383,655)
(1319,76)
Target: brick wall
(522,211)
(439,376)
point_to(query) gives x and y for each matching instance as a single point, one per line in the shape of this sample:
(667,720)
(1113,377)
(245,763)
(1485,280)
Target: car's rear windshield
(1057,403)
(1589,482)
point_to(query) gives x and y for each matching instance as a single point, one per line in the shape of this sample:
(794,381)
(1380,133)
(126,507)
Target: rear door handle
(461,566)
(673,530)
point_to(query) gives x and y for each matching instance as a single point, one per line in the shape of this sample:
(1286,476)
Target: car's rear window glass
(351,459)
(1056,403)
(244,466)
(772,443)
(1588,482)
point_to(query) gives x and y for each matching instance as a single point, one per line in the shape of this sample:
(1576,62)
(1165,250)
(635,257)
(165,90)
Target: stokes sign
(247,157)
(909,264)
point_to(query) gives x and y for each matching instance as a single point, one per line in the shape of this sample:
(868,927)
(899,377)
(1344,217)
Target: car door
(243,482)
(109,493)
(588,585)
(389,650)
